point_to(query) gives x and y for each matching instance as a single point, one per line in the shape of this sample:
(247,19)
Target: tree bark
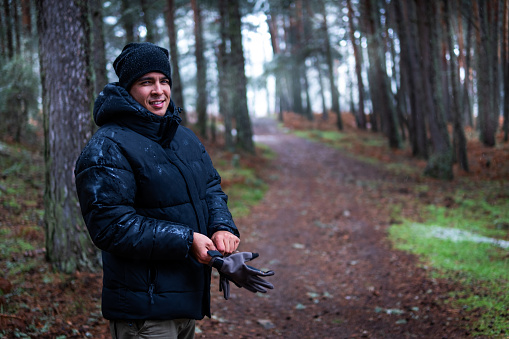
(384,104)
(406,18)
(361,116)
(488,95)
(224,85)
(243,121)
(17,27)
(148,21)
(64,35)
(459,139)
(505,66)
(280,97)
(98,46)
(177,92)
(441,160)
(466,106)
(330,66)
(9,29)
(201,71)
(127,21)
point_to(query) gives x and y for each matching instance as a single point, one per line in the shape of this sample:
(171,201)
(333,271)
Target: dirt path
(322,229)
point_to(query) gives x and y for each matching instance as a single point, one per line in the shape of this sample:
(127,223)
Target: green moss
(461,243)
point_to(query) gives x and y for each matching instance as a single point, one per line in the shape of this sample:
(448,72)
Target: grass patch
(463,243)
(244,189)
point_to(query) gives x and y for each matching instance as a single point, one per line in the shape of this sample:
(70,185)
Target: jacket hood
(115,104)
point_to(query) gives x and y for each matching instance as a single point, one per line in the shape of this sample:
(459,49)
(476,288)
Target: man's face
(153,92)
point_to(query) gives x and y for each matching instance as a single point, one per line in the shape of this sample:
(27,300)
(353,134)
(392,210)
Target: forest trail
(322,228)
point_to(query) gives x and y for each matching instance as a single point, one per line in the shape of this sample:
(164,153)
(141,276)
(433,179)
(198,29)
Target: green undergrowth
(468,243)
(245,188)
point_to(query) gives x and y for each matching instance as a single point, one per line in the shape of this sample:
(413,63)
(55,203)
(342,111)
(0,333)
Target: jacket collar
(115,104)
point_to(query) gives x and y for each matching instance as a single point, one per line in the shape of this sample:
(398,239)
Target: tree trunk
(127,20)
(487,71)
(243,121)
(67,97)
(376,52)
(26,22)
(330,65)
(9,29)
(459,139)
(201,71)
(98,46)
(325,113)
(224,85)
(505,65)
(441,160)
(466,107)
(17,27)
(406,19)
(177,92)
(279,95)
(148,21)
(361,116)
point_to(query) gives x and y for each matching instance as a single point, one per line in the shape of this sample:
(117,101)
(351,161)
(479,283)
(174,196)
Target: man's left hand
(226,242)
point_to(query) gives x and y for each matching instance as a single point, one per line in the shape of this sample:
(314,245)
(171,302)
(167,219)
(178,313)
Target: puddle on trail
(458,235)
(264,138)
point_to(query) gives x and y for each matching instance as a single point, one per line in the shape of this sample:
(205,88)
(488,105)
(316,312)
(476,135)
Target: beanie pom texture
(138,59)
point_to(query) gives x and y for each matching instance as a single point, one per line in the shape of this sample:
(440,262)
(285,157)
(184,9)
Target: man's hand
(202,244)
(225,242)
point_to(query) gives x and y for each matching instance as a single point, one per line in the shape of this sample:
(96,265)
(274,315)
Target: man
(152,202)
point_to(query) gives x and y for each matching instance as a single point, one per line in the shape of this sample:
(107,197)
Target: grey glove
(233,268)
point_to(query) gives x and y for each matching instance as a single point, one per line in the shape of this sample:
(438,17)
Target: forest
(428,78)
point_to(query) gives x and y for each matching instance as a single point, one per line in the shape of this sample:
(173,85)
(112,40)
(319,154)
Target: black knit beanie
(138,59)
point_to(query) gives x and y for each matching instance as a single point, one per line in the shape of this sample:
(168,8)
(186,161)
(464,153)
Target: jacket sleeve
(220,218)
(106,189)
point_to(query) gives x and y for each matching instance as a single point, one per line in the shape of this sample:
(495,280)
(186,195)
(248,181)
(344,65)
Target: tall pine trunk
(201,70)
(243,121)
(9,29)
(488,89)
(459,139)
(224,78)
(505,66)
(330,67)
(440,162)
(98,46)
(64,43)
(407,29)
(127,20)
(177,92)
(361,115)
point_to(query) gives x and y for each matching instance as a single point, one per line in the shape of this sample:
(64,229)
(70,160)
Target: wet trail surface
(322,229)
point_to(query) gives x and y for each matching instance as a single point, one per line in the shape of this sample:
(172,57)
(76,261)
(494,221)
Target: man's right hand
(202,244)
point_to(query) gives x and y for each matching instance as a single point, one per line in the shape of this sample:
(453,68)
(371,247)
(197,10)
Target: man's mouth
(157,103)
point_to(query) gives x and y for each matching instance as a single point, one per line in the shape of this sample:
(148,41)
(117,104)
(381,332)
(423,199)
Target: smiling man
(152,202)
(153,92)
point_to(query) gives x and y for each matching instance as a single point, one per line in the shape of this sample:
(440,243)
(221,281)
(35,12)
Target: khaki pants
(160,329)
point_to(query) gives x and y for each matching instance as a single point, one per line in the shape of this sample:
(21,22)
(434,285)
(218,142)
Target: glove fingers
(251,288)
(224,285)
(254,271)
(262,283)
(257,288)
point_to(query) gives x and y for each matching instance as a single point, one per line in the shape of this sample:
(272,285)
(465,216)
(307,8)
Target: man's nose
(157,88)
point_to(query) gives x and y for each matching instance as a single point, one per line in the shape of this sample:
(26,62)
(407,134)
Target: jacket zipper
(152,280)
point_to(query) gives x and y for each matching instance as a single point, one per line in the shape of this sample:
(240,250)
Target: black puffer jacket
(145,184)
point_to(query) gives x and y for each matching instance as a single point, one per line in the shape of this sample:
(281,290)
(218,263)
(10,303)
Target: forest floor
(321,227)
